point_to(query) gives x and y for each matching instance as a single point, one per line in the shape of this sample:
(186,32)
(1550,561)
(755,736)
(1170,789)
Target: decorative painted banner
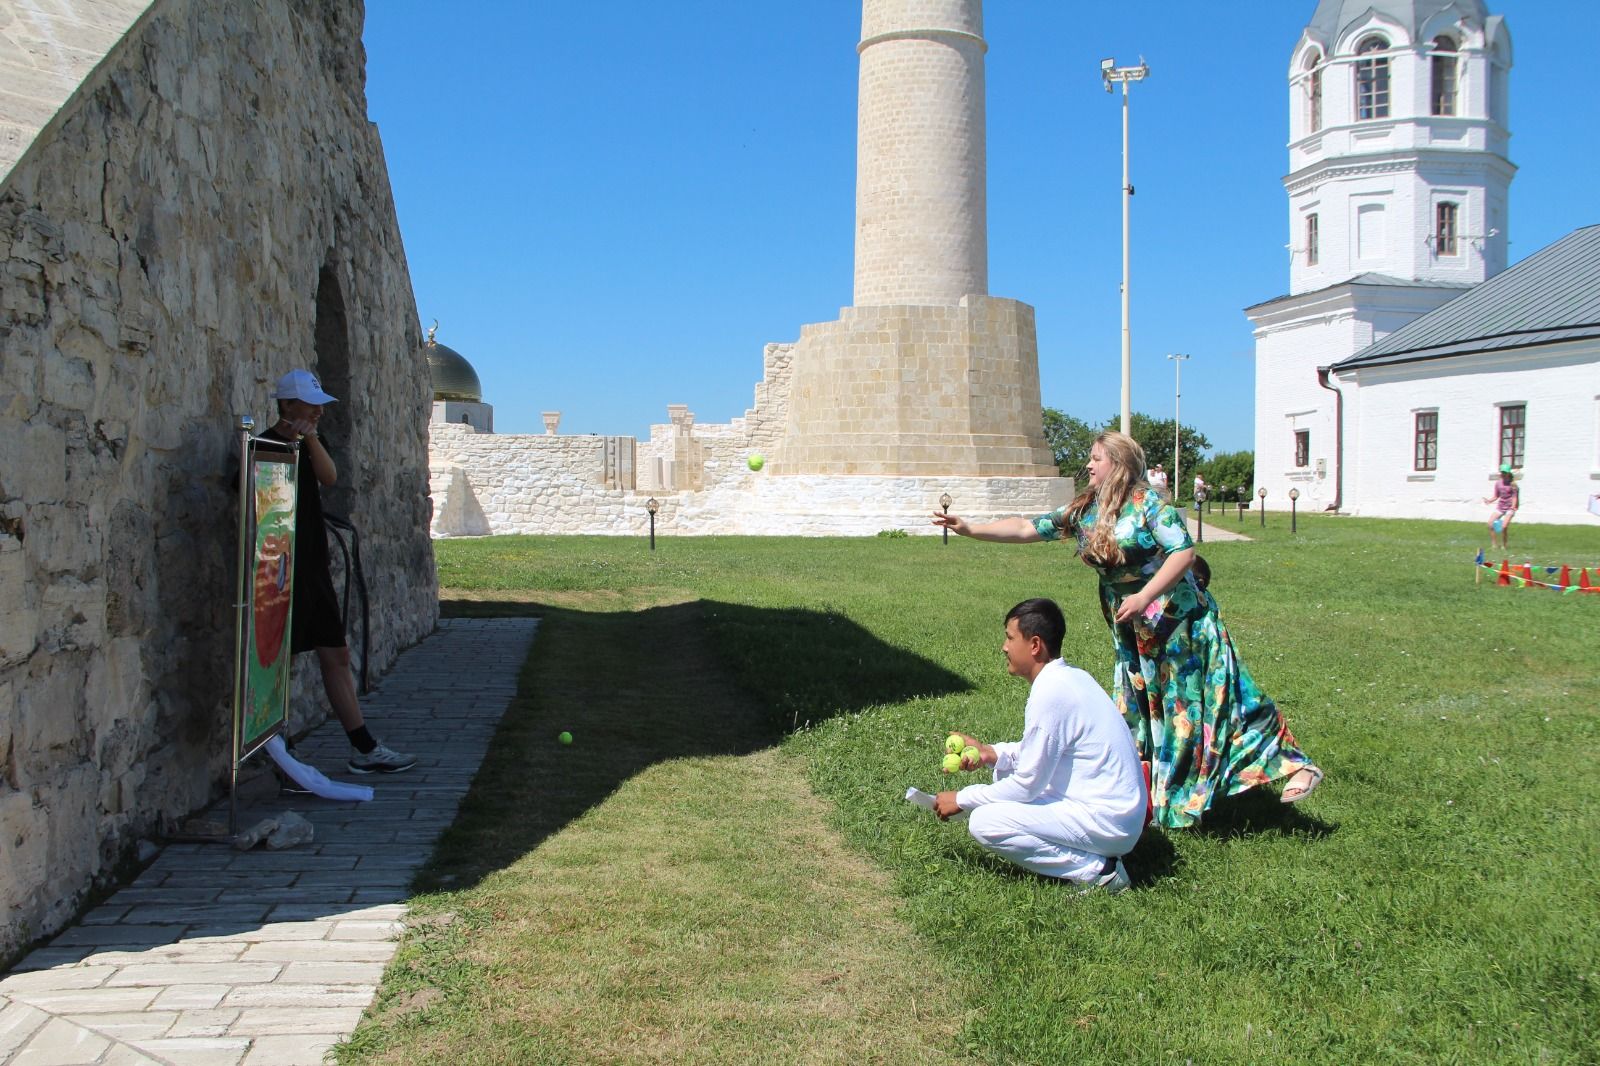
(1521,576)
(270,527)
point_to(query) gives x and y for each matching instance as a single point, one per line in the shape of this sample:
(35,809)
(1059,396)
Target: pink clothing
(1505,496)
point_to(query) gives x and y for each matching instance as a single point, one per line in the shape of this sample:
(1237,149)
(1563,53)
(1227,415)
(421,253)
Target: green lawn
(744,706)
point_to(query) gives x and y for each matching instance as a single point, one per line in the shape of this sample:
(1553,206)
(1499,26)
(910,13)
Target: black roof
(1549,297)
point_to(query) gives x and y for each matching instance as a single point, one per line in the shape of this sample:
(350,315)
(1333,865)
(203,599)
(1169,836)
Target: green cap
(1505,468)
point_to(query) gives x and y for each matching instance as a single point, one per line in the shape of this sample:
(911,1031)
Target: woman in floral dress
(1197,716)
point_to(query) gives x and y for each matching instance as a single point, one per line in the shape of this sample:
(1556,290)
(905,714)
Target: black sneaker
(381,760)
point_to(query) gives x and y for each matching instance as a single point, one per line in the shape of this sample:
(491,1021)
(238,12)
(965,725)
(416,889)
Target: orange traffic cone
(1505,573)
(1565,579)
(1583,581)
(1527,574)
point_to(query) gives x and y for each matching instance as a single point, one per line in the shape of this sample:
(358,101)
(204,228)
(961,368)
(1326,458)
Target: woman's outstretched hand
(954,523)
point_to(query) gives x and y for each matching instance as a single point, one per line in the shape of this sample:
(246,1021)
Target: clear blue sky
(613,206)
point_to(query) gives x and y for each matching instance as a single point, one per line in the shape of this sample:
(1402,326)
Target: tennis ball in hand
(954,743)
(952,763)
(756,461)
(564,736)
(971,758)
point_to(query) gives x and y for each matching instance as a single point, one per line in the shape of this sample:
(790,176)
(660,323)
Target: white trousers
(1052,839)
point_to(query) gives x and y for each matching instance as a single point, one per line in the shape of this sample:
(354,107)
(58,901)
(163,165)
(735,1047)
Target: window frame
(1444,65)
(1425,441)
(1447,229)
(1513,432)
(1313,239)
(1372,81)
(1313,68)
(1302,449)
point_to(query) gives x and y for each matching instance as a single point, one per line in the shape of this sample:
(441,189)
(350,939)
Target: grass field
(720,868)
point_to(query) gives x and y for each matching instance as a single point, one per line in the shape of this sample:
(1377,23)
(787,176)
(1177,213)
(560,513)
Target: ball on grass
(564,736)
(954,743)
(952,763)
(756,461)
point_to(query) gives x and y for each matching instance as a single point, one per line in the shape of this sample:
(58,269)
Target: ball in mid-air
(756,461)
(564,736)
(952,763)
(954,743)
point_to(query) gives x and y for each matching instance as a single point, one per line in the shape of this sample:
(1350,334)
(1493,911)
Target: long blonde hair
(1125,478)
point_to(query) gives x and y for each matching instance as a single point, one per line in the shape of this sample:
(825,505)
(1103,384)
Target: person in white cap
(317,624)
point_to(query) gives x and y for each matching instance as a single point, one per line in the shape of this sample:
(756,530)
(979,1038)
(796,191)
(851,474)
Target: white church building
(1404,368)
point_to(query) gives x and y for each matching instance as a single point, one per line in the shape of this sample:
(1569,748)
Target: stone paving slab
(223,958)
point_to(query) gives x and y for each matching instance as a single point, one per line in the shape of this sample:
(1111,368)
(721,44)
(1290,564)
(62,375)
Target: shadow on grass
(640,687)
(1259,811)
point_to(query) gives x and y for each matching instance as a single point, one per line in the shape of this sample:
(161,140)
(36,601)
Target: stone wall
(210,210)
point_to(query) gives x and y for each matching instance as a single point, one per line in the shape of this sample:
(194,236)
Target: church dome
(453,377)
(1334,16)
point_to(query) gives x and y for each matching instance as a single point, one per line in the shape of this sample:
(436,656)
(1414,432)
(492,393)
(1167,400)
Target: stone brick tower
(926,375)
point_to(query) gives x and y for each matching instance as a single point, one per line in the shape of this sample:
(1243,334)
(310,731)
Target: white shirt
(1075,749)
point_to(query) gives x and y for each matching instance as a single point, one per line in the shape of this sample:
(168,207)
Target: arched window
(1372,79)
(1446,85)
(1446,240)
(1313,66)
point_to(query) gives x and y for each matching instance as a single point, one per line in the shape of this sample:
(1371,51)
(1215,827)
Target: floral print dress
(1196,714)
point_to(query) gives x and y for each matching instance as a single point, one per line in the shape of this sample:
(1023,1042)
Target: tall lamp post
(1114,74)
(1200,515)
(1261,493)
(945,501)
(1294,496)
(1177,418)
(652,505)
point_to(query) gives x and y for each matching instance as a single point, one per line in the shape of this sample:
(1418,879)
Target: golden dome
(453,377)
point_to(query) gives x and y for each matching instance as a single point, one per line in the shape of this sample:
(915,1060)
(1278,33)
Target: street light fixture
(1294,495)
(945,501)
(1200,515)
(652,505)
(1262,493)
(1177,419)
(1114,74)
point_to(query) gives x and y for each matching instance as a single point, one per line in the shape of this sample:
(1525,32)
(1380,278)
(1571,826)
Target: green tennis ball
(952,763)
(954,743)
(756,461)
(973,757)
(564,736)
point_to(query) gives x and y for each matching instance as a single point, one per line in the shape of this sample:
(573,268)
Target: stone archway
(341,420)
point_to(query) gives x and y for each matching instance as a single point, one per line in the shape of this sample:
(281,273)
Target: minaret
(921,214)
(926,375)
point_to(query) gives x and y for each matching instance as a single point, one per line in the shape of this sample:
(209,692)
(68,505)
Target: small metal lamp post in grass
(1262,493)
(1294,494)
(945,501)
(652,505)
(1200,515)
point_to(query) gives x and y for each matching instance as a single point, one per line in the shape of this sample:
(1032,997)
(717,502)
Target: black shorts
(317,622)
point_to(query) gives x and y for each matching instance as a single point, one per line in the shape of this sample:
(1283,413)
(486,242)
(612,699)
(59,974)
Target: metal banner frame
(264,600)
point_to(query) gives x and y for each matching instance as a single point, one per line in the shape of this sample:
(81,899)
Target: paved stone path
(267,958)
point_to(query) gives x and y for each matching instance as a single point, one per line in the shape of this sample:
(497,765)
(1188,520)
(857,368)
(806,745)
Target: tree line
(1229,474)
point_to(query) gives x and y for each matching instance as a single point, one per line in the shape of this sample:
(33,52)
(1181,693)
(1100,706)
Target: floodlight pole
(1177,420)
(1113,73)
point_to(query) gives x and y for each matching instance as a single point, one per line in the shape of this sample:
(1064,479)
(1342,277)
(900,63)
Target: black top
(310,531)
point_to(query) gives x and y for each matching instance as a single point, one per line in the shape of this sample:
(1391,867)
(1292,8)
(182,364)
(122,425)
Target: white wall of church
(1560,385)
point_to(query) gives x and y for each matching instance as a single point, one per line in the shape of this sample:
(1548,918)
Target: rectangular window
(1446,241)
(1302,448)
(1427,438)
(1444,84)
(1372,83)
(1513,434)
(1314,102)
(1311,240)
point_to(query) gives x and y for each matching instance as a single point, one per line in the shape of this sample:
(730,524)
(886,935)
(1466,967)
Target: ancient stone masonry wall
(211,210)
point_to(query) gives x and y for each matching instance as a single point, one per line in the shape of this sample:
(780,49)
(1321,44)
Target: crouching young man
(1068,800)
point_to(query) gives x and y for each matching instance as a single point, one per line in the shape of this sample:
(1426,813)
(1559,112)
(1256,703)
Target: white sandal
(1293,794)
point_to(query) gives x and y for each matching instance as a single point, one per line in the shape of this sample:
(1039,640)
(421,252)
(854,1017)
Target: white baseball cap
(301,385)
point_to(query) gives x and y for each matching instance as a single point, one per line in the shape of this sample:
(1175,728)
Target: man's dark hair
(1040,618)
